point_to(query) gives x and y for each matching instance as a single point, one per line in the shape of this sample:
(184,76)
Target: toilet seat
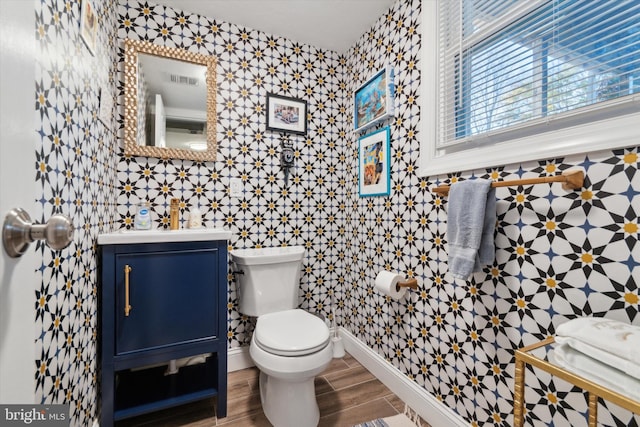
(291,333)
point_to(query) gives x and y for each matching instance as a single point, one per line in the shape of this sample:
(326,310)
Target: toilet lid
(291,333)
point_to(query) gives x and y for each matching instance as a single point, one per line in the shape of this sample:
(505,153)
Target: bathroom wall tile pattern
(306,211)
(75,174)
(558,254)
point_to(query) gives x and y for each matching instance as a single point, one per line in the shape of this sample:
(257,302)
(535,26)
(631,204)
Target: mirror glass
(170,102)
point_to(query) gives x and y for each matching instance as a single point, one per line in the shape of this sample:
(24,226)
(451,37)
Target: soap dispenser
(174,214)
(142,219)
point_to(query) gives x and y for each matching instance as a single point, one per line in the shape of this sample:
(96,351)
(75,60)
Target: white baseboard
(428,407)
(238,358)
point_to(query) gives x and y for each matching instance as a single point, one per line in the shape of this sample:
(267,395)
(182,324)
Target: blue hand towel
(471,221)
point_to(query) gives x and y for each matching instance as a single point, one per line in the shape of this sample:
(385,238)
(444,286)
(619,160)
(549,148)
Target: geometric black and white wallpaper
(558,254)
(75,174)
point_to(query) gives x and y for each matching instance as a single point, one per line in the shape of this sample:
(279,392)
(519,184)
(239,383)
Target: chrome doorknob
(18,231)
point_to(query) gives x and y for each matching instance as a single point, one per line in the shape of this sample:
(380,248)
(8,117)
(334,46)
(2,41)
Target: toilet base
(287,389)
(288,403)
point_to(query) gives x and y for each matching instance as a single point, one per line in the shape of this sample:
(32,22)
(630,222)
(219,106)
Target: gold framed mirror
(170,102)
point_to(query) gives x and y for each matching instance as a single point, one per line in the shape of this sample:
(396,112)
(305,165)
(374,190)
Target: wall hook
(18,231)
(287,159)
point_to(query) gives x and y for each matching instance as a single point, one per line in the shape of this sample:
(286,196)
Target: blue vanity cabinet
(159,302)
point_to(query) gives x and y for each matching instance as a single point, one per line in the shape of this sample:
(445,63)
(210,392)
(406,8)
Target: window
(521,80)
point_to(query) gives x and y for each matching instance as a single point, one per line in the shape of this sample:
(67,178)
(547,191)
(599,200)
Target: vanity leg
(107,394)
(221,410)
(593,410)
(518,395)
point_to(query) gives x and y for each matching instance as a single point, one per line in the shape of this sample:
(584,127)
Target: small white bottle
(195,218)
(143,217)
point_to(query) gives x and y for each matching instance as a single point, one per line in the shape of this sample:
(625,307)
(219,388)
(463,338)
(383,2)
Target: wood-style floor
(347,394)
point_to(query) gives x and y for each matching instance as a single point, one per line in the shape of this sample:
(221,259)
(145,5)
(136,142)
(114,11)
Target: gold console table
(538,355)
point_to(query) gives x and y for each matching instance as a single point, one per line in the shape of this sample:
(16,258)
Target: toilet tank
(270,278)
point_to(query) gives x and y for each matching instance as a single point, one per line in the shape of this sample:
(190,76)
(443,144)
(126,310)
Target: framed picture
(286,114)
(373,101)
(373,163)
(89,25)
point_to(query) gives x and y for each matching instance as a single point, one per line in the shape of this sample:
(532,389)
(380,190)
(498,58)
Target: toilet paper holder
(411,283)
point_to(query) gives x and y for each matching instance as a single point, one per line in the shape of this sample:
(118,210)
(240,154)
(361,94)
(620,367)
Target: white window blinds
(511,66)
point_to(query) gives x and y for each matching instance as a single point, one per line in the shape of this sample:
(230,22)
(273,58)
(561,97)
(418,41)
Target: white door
(161,123)
(18,141)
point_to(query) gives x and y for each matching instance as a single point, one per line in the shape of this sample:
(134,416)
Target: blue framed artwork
(373,163)
(373,101)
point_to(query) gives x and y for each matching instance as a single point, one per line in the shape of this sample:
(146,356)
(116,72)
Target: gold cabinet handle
(127,306)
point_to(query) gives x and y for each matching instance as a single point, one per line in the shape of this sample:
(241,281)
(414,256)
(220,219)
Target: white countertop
(125,236)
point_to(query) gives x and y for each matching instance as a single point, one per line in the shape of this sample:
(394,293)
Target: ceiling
(328,24)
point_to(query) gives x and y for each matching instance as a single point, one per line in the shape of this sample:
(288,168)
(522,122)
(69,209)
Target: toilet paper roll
(386,283)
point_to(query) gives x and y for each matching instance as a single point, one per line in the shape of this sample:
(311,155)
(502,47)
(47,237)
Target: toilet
(289,346)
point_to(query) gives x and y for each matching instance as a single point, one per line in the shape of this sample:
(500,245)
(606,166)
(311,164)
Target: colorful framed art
(373,101)
(374,163)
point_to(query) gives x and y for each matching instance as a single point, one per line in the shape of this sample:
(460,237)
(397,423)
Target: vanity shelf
(141,391)
(161,300)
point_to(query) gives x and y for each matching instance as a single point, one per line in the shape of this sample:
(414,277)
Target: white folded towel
(609,341)
(591,369)
(471,220)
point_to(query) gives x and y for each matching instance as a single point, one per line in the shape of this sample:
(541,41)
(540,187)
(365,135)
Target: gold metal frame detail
(523,356)
(131,148)
(571,180)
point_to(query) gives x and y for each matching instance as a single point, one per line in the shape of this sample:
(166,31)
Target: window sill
(618,132)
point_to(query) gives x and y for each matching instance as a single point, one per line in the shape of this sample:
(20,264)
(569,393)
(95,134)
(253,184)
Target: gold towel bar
(409,283)
(571,180)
